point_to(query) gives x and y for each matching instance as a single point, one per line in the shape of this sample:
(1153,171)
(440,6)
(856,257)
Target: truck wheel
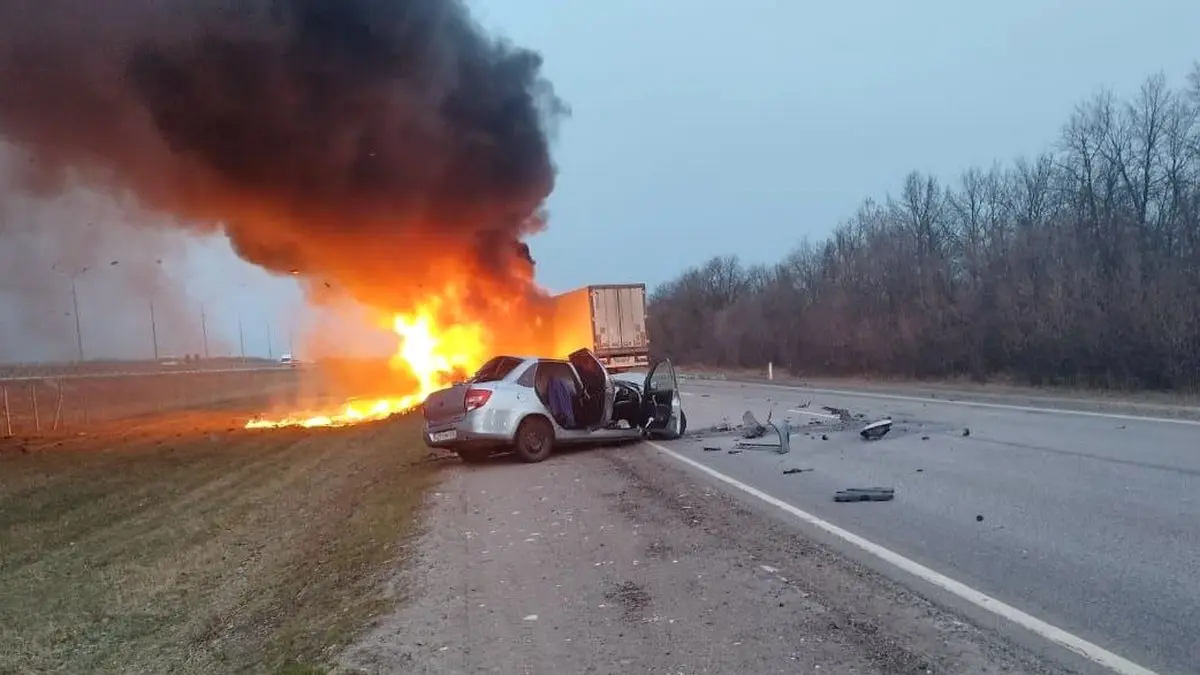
(535,440)
(474,455)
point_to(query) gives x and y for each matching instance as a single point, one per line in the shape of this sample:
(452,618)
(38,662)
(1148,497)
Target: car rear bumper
(475,429)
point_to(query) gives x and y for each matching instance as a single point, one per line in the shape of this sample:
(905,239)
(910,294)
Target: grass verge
(202,552)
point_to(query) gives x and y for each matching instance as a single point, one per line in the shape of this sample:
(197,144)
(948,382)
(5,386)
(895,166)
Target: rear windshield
(496,369)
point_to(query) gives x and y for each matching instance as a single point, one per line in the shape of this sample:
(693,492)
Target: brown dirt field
(185,544)
(69,405)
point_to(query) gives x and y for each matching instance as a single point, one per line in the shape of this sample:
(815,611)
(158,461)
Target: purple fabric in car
(561,406)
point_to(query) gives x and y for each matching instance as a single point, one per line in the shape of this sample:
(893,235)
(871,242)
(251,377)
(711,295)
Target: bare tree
(1079,265)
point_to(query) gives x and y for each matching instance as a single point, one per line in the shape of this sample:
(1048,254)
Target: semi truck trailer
(609,319)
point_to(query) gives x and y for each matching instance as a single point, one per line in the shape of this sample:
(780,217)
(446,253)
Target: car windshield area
(495,369)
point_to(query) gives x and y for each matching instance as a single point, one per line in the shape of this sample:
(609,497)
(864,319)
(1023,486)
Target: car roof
(530,358)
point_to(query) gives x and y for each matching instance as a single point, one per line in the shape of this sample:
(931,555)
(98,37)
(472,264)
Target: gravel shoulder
(615,560)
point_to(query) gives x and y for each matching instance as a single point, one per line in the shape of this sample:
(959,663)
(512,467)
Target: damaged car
(532,405)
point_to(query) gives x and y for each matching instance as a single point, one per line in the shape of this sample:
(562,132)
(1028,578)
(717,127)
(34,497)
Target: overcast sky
(705,127)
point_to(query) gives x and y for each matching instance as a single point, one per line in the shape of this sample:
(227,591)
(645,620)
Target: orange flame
(434,354)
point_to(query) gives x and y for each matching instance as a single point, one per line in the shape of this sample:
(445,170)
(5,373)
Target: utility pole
(241,337)
(153,330)
(78,329)
(204,330)
(270,348)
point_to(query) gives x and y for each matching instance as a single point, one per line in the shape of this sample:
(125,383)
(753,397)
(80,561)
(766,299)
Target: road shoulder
(616,560)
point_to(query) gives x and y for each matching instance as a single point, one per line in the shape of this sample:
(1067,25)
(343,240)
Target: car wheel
(535,440)
(474,455)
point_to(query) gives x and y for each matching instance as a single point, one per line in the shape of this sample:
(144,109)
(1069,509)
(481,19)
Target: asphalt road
(618,560)
(1088,522)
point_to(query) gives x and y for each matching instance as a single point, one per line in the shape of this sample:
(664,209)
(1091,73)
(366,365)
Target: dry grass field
(182,543)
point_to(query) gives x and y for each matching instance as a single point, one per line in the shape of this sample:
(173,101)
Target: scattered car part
(751,427)
(843,414)
(709,448)
(788,472)
(876,430)
(781,446)
(966,432)
(875,494)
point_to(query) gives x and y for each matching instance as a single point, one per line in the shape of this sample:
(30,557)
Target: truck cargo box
(609,319)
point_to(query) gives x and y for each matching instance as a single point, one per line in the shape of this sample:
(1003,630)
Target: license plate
(443,436)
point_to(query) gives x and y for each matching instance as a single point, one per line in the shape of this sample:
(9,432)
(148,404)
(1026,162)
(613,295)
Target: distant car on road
(287,360)
(532,405)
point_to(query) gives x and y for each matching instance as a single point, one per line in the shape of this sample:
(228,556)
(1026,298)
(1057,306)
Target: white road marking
(814,414)
(1074,643)
(981,404)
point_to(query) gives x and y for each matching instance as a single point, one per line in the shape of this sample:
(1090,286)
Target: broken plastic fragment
(876,430)
(751,428)
(865,495)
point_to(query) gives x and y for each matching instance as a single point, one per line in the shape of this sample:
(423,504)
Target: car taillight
(477,398)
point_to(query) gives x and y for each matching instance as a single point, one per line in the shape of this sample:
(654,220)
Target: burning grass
(201,550)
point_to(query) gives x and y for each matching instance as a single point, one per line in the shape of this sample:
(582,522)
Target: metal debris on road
(876,430)
(966,432)
(788,472)
(780,445)
(872,494)
(751,427)
(843,414)
(710,448)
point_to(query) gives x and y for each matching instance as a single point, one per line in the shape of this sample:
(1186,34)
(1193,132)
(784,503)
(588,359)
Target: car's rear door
(598,392)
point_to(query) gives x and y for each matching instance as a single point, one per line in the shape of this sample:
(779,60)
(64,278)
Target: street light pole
(270,348)
(78,328)
(204,330)
(241,337)
(153,330)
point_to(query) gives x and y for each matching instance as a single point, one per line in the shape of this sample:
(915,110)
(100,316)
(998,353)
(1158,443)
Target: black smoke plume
(384,147)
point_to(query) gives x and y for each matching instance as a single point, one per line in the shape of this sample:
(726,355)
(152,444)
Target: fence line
(71,403)
(151,373)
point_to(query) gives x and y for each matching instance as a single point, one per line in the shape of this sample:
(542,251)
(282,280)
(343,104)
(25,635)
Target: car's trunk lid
(446,406)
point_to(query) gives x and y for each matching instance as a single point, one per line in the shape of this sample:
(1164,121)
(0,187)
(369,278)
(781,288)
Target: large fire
(432,353)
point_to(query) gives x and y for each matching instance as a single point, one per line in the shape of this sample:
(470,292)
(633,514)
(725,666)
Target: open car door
(663,405)
(598,390)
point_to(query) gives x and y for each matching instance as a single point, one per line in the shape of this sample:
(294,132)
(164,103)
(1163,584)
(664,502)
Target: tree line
(1078,266)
